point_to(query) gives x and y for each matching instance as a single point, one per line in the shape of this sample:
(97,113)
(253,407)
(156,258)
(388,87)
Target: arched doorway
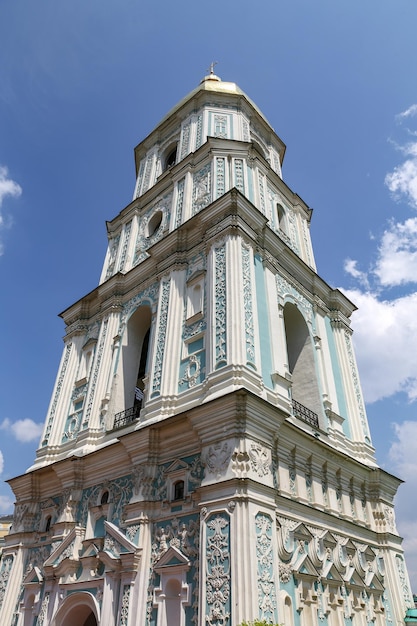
(78,609)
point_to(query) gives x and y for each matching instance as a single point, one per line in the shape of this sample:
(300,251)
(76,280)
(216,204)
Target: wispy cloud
(402,181)
(412,110)
(24,431)
(8,188)
(351,267)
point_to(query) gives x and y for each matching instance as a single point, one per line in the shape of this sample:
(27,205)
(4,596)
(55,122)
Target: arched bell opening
(132,367)
(301,363)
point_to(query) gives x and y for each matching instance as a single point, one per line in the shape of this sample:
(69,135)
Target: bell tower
(206,457)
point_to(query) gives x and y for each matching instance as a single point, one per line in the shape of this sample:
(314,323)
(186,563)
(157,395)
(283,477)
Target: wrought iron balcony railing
(305,414)
(127,417)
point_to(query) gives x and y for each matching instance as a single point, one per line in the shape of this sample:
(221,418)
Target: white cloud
(403,454)
(8,187)
(351,268)
(402,181)
(23,430)
(397,254)
(6,504)
(412,110)
(1,462)
(385,338)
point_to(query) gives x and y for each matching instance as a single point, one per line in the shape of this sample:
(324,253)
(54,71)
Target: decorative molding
(148,296)
(248,306)
(239,178)
(357,388)
(160,343)
(5,571)
(185,140)
(124,609)
(198,138)
(220,306)
(285,288)
(126,238)
(201,189)
(218,583)
(113,249)
(180,202)
(57,394)
(265,556)
(220,176)
(94,377)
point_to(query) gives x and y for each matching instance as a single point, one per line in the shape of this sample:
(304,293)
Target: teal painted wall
(263,321)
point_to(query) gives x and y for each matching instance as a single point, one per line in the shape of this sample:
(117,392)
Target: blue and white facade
(206,457)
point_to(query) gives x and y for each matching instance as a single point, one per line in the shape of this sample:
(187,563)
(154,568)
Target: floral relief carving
(220,305)
(6,567)
(218,584)
(201,189)
(266,583)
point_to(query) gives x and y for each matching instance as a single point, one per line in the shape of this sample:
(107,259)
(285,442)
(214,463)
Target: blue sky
(81,83)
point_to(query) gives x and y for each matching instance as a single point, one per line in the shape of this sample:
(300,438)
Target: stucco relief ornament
(240,463)
(192,371)
(217,458)
(390,519)
(260,459)
(285,573)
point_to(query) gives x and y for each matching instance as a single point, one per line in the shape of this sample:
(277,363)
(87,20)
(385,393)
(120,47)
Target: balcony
(128,416)
(303,413)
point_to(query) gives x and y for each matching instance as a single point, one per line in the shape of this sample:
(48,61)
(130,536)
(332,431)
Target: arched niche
(133,357)
(301,361)
(78,608)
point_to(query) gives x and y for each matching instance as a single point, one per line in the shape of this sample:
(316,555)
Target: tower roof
(213,83)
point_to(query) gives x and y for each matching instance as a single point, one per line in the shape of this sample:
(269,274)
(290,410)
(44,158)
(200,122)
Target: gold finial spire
(211,68)
(211,75)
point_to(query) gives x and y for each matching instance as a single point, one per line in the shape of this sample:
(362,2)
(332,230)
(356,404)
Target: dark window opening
(171,158)
(48,523)
(179,490)
(154,223)
(104,497)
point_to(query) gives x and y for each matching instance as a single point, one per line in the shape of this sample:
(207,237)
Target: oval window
(154,223)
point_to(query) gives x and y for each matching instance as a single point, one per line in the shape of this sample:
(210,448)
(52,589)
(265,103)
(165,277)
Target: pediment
(302,564)
(33,576)
(68,548)
(116,542)
(172,558)
(372,581)
(301,532)
(176,466)
(351,577)
(330,572)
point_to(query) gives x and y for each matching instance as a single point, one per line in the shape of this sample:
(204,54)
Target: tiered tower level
(206,457)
